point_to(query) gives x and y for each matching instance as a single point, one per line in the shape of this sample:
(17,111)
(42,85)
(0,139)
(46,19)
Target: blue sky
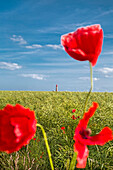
(31,56)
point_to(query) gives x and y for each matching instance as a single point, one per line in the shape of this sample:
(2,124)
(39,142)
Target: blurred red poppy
(34,138)
(73,117)
(82,137)
(84,44)
(62,128)
(73,110)
(17,127)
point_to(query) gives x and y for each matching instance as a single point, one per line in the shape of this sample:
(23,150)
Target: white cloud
(54,46)
(76,26)
(34,76)
(54,64)
(104,13)
(18,39)
(88,78)
(108,76)
(27,52)
(108,53)
(108,36)
(61,28)
(34,46)
(9,66)
(84,78)
(95,79)
(106,70)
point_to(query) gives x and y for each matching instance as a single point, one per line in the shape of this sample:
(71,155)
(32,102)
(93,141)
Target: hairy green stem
(47,145)
(73,161)
(91,79)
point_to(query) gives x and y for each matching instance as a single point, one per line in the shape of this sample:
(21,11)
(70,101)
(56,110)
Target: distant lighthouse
(56,87)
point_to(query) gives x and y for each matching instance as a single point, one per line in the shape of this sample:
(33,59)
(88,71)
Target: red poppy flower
(82,137)
(34,138)
(62,128)
(84,44)
(73,110)
(73,117)
(17,127)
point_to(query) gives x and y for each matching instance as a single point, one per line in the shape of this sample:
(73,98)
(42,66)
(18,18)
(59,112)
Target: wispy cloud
(34,46)
(104,13)
(9,66)
(107,53)
(27,52)
(19,39)
(106,70)
(87,78)
(108,36)
(63,27)
(108,76)
(96,79)
(34,76)
(84,78)
(75,26)
(54,46)
(55,63)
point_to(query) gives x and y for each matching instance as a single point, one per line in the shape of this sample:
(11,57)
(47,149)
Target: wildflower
(34,138)
(82,137)
(62,128)
(73,110)
(84,44)
(42,155)
(17,127)
(73,117)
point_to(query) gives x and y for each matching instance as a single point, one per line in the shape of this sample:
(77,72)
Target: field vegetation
(54,110)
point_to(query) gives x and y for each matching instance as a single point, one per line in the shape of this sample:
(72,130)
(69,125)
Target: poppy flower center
(85,133)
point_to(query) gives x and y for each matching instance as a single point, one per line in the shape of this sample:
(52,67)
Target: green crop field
(54,110)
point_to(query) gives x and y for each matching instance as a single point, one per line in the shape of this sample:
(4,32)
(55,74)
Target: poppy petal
(62,128)
(84,44)
(76,54)
(90,112)
(82,154)
(73,110)
(83,122)
(17,127)
(103,137)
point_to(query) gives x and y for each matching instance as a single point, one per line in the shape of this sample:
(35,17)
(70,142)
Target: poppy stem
(47,145)
(91,79)
(73,161)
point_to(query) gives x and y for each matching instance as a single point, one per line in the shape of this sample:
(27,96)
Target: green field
(54,110)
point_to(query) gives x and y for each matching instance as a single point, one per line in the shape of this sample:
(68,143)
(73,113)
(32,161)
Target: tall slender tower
(56,87)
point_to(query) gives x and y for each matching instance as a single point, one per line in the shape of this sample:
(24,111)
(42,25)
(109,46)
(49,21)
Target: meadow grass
(54,110)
